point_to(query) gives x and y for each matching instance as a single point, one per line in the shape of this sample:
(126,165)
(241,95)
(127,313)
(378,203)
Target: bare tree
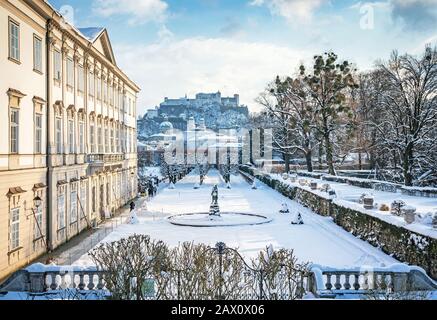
(277,107)
(409,106)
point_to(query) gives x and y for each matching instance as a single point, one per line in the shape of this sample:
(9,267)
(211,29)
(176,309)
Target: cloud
(293,10)
(232,28)
(138,11)
(164,33)
(173,69)
(415,14)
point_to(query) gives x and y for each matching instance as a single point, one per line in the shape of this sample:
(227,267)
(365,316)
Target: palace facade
(68,147)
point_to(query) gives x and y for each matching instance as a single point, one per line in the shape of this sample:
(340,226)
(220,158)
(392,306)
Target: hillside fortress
(215,111)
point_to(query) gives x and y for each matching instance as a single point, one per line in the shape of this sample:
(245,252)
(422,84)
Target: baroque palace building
(68,144)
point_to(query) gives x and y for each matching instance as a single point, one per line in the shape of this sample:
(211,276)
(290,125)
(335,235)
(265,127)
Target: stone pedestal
(214,210)
(409,214)
(368,203)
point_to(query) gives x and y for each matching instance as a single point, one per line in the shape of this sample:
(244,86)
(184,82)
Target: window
(61,211)
(106,140)
(57,65)
(91,84)
(38,133)
(82,206)
(73,206)
(37,53)
(71,136)
(70,72)
(15,229)
(80,79)
(111,95)
(117,138)
(37,230)
(93,199)
(81,137)
(100,138)
(92,138)
(99,88)
(108,194)
(14,130)
(112,139)
(105,92)
(14,40)
(58,134)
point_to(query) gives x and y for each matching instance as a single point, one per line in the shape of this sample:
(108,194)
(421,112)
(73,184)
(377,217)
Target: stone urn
(302,182)
(293,178)
(368,202)
(325,187)
(313,185)
(285,176)
(409,213)
(332,194)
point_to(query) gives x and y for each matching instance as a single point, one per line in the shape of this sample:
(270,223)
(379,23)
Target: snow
(41,268)
(319,240)
(348,196)
(91,33)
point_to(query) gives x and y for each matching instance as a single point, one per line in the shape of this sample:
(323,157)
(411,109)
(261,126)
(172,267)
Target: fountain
(216,218)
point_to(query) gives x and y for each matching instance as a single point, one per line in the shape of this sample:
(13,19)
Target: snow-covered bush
(140,268)
(396,207)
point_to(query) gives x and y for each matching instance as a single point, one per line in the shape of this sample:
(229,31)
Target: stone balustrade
(330,283)
(39,278)
(322,282)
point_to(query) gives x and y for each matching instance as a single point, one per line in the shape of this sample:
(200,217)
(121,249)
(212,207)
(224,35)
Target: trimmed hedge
(403,244)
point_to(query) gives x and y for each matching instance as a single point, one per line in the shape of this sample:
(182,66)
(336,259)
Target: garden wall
(404,245)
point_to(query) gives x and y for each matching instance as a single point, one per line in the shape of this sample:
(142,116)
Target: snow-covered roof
(91,33)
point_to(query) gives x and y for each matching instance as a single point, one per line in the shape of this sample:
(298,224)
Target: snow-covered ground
(319,240)
(348,196)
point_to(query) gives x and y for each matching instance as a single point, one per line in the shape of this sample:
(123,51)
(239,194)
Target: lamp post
(132,174)
(37,202)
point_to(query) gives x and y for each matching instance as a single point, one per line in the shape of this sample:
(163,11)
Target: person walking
(132,206)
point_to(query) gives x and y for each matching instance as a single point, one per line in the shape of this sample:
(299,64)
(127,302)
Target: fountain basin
(226,219)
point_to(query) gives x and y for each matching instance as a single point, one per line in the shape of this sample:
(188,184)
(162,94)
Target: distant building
(209,110)
(152,113)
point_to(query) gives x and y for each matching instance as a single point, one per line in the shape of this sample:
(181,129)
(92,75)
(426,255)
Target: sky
(173,48)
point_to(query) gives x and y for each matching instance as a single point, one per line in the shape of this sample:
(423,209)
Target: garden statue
(214,195)
(297,219)
(284,208)
(214,209)
(133,218)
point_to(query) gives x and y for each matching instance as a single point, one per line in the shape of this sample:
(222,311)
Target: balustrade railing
(229,277)
(330,282)
(105,158)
